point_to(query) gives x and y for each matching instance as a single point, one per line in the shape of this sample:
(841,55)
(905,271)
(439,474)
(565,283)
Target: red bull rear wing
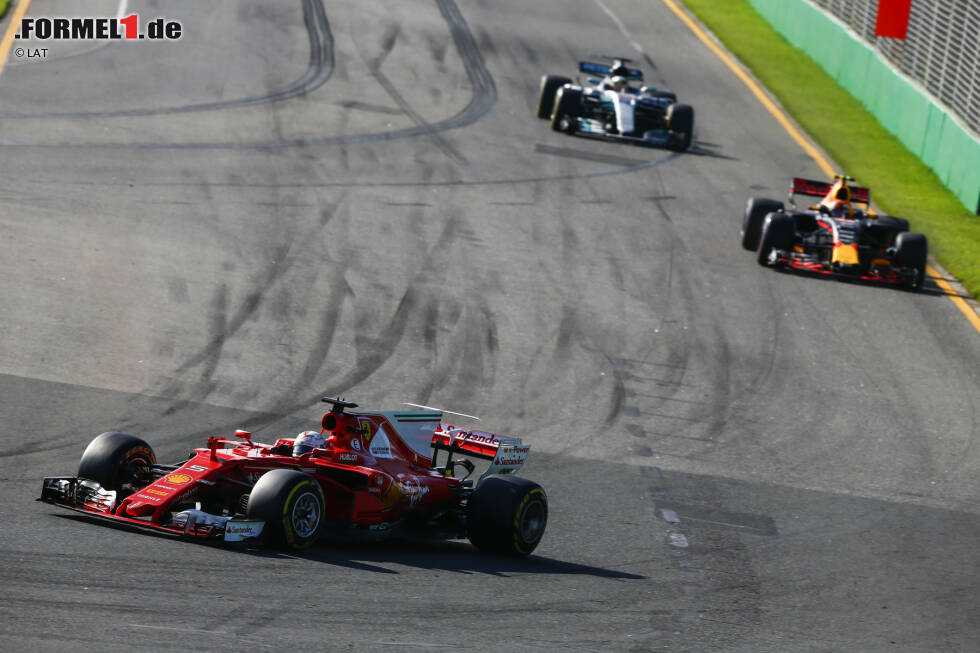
(821,188)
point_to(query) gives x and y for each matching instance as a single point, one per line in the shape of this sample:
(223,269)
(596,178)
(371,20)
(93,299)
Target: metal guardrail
(941,50)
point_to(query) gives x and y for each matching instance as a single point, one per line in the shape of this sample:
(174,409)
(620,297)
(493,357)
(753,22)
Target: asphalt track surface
(355,198)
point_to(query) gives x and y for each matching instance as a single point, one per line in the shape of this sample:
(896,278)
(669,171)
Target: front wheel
(778,232)
(292,506)
(568,106)
(680,120)
(546,93)
(756,210)
(507,515)
(114,460)
(911,251)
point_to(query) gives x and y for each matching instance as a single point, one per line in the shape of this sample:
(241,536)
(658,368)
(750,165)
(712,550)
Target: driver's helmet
(618,83)
(840,205)
(307,441)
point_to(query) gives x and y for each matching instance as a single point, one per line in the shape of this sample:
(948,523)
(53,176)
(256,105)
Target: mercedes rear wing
(602,70)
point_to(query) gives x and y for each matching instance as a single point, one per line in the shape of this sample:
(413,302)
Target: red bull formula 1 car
(616,105)
(369,475)
(840,235)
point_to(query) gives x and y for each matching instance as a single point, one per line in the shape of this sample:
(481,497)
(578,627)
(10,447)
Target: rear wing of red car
(506,454)
(821,188)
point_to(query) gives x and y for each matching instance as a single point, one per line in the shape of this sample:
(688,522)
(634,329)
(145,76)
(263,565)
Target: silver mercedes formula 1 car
(615,104)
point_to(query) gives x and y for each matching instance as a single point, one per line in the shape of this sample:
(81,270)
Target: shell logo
(179,478)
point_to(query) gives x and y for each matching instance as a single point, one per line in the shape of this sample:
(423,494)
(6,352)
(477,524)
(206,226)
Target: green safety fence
(929,130)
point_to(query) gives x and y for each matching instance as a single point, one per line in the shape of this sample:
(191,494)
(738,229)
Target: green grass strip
(900,183)
(4,6)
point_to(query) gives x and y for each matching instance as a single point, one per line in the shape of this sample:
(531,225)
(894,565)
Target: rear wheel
(546,93)
(911,251)
(680,120)
(114,460)
(568,106)
(507,515)
(291,504)
(756,210)
(778,231)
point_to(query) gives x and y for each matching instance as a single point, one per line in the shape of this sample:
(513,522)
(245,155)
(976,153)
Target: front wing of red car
(89,498)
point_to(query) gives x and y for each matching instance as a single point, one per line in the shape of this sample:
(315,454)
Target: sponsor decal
(355,444)
(164,487)
(187,495)
(380,446)
(413,490)
(148,498)
(481,437)
(238,531)
(98,29)
(348,457)
(512,455)
(255,473)
(157,492)
(178,479)
(364,428)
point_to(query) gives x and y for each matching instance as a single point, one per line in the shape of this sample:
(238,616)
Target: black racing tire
(680,120)
(292,506)
(546,93)
(114,459)
(898,225)
(778,232)
(911,251)
(756,210)
(507,515)
(568,107)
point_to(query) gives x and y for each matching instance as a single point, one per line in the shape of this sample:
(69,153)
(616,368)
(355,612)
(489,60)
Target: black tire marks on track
(320,69)
(482,100)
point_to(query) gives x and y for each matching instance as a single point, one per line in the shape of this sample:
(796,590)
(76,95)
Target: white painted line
(670,516)
(620,25)
(678,540)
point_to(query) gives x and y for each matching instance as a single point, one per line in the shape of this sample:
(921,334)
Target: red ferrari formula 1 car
(363,475)
(840,235)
